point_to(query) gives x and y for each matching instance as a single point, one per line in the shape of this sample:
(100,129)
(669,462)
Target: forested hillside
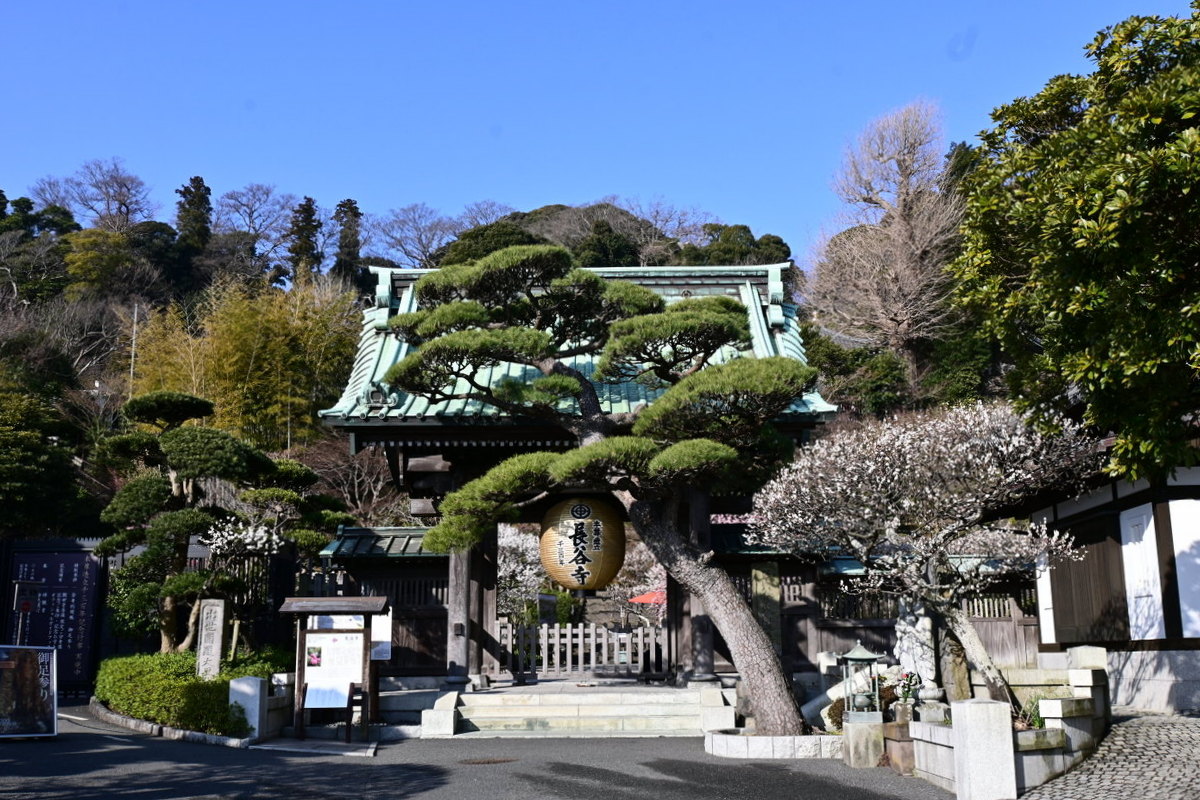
(248,298)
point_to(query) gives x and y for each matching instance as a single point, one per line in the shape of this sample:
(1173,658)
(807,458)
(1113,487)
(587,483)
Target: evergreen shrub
(164,688)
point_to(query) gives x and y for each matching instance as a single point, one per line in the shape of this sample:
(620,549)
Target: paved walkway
(1144,757)
(93,760)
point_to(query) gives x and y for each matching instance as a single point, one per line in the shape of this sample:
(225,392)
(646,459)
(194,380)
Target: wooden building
(1136,590)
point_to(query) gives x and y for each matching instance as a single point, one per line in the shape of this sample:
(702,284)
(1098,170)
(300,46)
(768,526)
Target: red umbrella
(657,596)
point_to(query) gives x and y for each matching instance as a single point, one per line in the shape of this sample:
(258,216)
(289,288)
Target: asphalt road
(90,760)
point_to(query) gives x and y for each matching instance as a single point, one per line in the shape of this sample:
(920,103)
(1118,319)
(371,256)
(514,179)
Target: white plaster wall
(1126,488)
(1091,500)
(1143,589)
(1045,604)
(1185,530)
(1188,476)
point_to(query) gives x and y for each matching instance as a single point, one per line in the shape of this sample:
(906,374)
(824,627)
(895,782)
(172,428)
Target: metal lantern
(583,543)
(856,662)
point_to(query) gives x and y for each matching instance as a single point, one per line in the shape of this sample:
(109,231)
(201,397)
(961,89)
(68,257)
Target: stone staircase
(423,707)
(582,712)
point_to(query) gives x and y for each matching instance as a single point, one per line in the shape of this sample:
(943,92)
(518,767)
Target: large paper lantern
(583,543)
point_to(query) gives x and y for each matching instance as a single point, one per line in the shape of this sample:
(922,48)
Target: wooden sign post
(333,661)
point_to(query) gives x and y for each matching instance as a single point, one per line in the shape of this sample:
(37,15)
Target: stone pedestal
(251,694)
(899,747)
(984,768)
(862,739)
(933,712)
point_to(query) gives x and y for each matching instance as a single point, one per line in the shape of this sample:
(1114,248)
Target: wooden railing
(583,650)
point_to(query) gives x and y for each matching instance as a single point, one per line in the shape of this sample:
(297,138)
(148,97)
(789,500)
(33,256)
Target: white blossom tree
(519,569)
(641,573)
(924,502)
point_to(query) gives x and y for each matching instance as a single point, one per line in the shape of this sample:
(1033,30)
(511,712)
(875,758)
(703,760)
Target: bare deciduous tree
(920,502)
(260,211)
(671,226)
(115,198)
(882,280)
(482,212)
(362,481)
(10,249)
(52,191)
(413,233)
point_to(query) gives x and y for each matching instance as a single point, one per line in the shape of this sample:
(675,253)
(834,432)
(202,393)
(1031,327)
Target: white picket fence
(581,650)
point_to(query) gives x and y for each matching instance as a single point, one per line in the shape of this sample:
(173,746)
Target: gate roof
(378,543)
(369,402)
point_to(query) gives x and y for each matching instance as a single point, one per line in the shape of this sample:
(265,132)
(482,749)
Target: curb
(104,714)
(736,743)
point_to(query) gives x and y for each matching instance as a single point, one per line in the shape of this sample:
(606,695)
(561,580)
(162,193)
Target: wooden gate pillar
(458,619)
(483,568)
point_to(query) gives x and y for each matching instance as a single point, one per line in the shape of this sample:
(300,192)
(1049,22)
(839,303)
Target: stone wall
(942,752)
(1164,680)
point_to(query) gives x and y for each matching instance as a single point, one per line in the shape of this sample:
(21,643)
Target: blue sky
(740,109)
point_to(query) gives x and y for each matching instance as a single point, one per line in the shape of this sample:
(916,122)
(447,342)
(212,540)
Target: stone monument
(212,637)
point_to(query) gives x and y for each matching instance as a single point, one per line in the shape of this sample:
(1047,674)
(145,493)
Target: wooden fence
(1008,625)
(581,650)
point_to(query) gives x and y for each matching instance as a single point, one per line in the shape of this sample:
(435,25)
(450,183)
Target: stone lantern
(860,688)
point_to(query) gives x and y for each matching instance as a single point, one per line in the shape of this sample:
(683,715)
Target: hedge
(164,688)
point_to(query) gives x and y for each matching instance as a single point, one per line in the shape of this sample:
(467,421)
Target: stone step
(579,734)
(392,683)
(407,700)
(598,725)
(654,697)
(473,711)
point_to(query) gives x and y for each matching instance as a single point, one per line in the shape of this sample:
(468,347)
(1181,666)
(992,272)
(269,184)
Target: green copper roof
(367,399)
(377,543)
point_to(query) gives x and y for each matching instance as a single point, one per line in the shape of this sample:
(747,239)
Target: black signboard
(54,603)
(28,692)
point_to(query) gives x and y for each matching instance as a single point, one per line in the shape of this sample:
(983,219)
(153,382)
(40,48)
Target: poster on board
(381,629)
(381,636)
(56,604)
(332,661)
(28,691)
(335,622)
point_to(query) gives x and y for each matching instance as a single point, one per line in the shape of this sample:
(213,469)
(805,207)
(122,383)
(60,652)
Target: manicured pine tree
(710,428)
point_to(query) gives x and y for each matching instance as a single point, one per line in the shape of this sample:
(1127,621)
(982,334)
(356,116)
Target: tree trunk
(977,655)
(166,625)
(769,691)
(168,609)
(193,627)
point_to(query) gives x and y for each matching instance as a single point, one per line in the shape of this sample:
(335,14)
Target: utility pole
(133,350)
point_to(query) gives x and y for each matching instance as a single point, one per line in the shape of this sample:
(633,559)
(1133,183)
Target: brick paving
(1144,757)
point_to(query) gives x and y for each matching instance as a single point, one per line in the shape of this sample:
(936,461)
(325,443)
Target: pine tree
(710,428)
(347,262)
(304,253)
(193,224)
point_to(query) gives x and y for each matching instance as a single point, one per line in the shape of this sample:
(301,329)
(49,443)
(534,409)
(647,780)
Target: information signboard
(55,604)
(332,661)
(28,691)
(381,629)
